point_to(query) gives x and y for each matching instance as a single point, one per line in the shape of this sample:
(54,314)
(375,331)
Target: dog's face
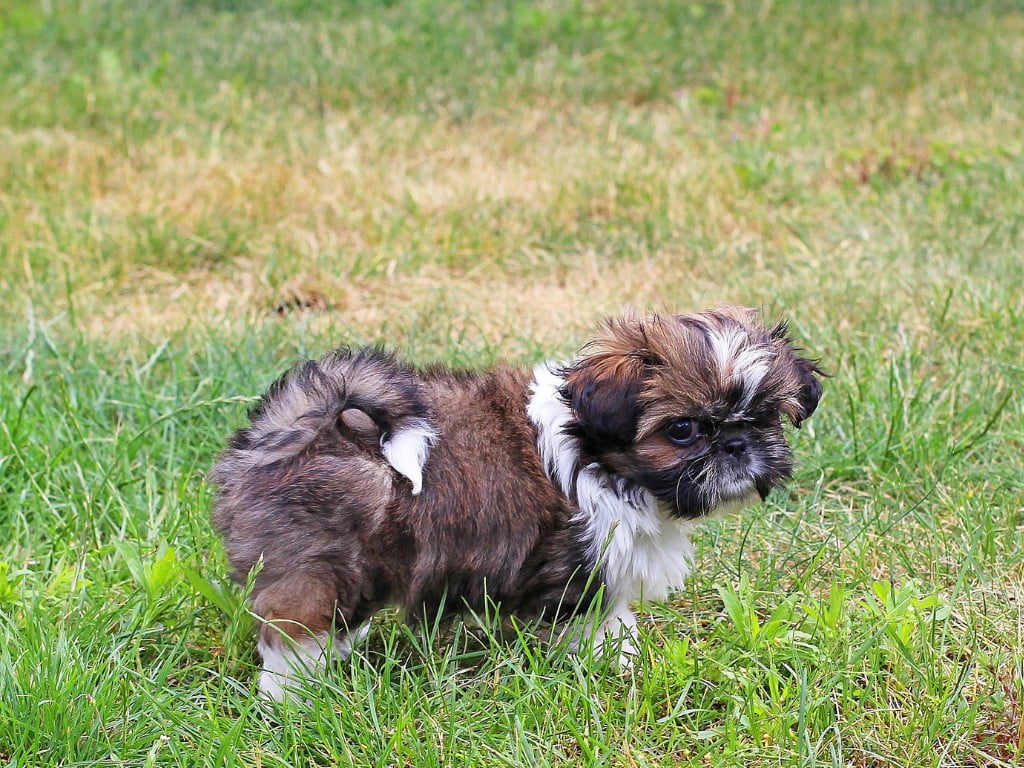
(691,406)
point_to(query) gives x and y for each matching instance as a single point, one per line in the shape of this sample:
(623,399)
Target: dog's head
(691,406)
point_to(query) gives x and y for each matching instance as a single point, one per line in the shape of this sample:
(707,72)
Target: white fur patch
(615,633)
(288,661)
(407,451)
(618,632)
(750,366)
(644,552)
(737,360)
(725,346)
(550,415)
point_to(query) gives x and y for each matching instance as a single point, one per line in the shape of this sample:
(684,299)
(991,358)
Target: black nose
(735,446)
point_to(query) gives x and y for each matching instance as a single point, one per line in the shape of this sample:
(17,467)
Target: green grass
(194,195)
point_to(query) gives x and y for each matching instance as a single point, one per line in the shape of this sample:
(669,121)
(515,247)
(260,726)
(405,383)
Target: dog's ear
(805,376)
(809,393)
(603,386)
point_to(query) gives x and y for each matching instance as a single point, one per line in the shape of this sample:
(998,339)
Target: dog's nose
(735,446)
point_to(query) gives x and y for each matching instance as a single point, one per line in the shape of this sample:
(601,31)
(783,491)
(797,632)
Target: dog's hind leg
(300,613)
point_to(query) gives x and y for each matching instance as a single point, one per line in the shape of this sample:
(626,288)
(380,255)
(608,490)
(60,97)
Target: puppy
(363,482)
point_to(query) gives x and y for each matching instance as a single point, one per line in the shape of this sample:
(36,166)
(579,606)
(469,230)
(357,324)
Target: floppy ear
(603,386)
(805,378)
(809,393)
(603,392)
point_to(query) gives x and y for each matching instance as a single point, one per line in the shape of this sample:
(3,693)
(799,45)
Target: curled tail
(315,395)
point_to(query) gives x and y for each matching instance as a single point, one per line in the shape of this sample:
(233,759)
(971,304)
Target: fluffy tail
(313,395)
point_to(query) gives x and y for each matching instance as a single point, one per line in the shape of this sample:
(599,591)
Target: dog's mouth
(743,482)
(737,489)
(714,489)
(741,492)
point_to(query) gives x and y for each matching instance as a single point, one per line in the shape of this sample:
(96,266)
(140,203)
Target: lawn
(194,195)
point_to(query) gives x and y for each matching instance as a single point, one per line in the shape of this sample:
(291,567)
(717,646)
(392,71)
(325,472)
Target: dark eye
(683,432)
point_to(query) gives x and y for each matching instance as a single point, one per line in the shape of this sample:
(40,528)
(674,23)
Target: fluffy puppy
(362,482)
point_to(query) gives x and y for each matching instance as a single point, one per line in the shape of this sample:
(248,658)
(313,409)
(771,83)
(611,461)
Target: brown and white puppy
(362,482)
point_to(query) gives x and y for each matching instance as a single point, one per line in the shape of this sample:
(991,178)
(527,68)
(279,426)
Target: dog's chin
(735,497)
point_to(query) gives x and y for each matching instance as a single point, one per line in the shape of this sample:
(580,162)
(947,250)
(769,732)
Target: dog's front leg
(617,634)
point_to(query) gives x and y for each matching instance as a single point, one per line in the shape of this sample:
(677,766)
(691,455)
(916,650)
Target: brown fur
(338,530)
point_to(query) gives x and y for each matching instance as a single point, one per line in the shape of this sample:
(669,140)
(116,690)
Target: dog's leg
(299,615)
(287,659)
(617,633)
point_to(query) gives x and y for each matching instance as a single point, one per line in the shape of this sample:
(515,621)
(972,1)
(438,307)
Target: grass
(193,195)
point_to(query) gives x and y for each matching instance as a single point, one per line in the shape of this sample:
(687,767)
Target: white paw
(617,636)
(286,662)
(272,685)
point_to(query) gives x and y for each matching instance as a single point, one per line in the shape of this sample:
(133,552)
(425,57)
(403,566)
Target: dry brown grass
(512,221)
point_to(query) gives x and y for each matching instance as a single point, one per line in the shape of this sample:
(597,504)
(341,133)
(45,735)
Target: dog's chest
(643,553)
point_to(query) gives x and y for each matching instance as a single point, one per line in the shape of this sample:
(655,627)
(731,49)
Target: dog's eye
(683,432)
